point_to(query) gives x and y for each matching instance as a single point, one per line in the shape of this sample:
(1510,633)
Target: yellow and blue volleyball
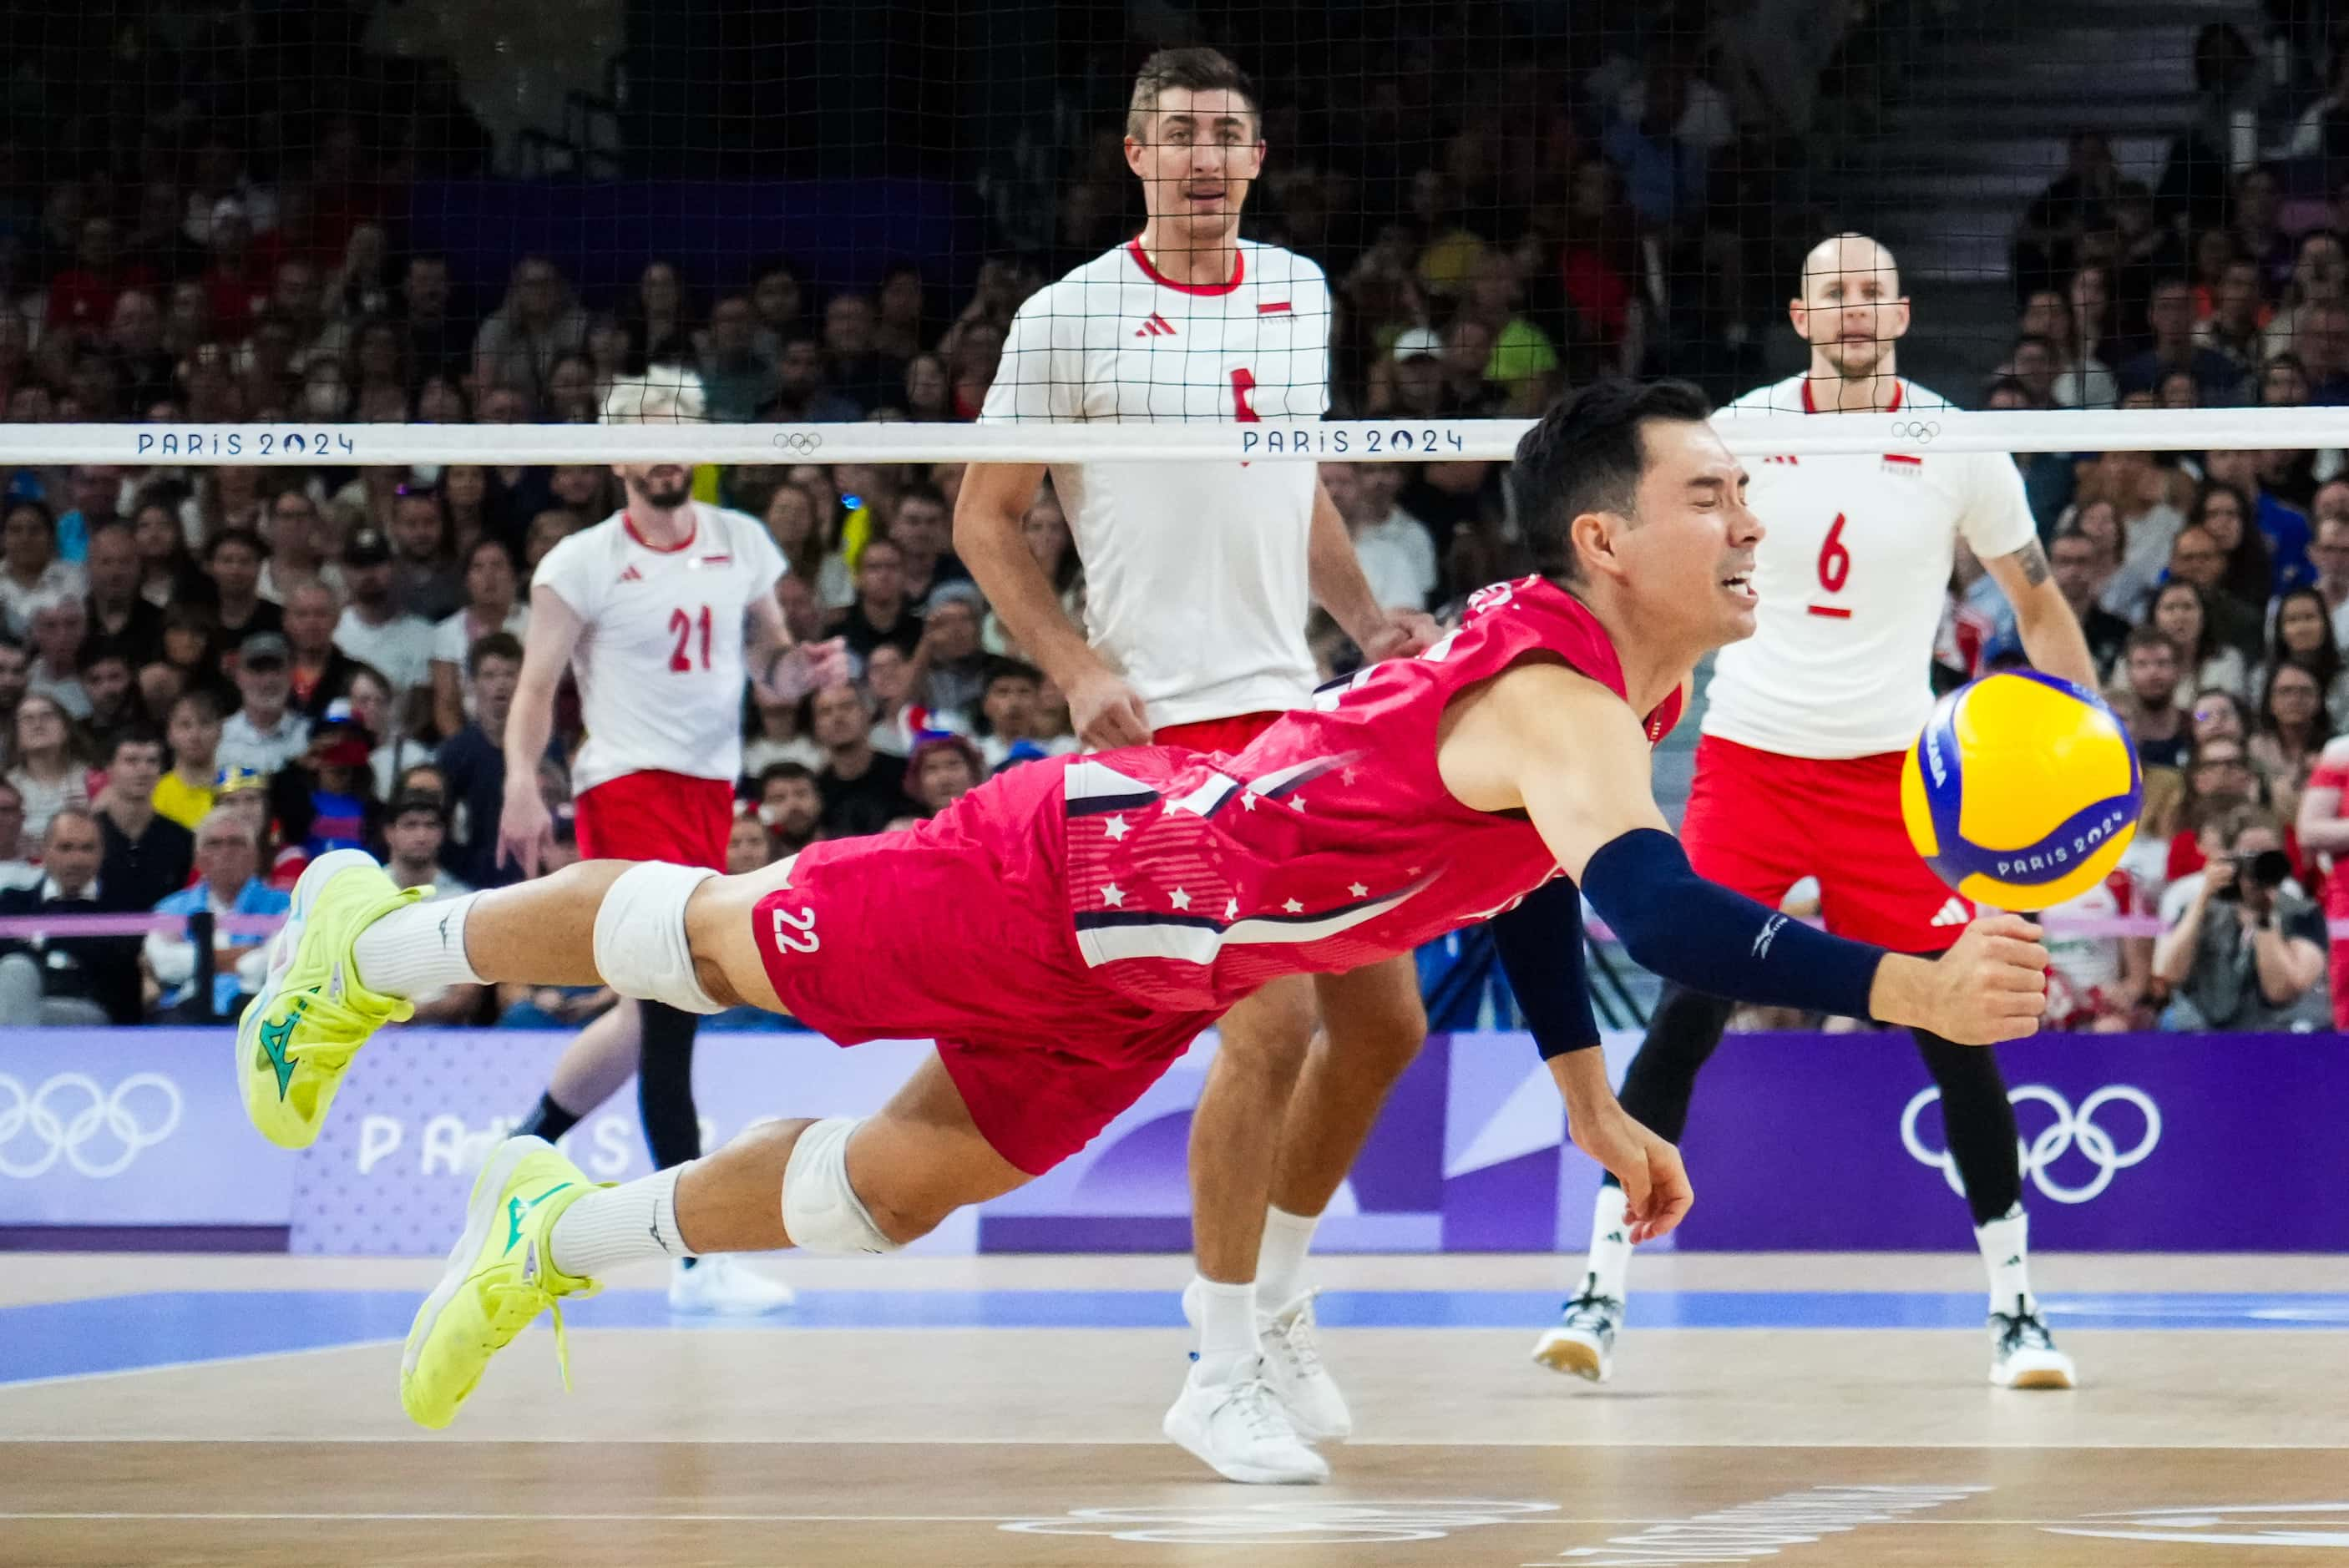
(2022,791)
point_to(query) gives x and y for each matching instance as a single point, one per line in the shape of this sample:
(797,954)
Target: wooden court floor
(1803,1411)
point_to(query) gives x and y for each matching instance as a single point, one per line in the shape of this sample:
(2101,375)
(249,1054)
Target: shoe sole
(1195,1443)
(282,948)
(1578,1357)
(2058,1377)
(479,1217)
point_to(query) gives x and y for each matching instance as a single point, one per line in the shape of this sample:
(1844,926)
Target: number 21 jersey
(659,658)
(1852,573)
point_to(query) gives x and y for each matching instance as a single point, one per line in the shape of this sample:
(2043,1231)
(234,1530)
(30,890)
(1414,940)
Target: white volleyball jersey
(660,657)
(1196,573)
(1853,572)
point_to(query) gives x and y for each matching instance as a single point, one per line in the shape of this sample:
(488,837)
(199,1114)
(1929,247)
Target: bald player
(1798,769)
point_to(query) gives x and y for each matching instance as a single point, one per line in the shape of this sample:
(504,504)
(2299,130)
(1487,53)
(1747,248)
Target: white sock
(622,1224)
(1280,1256)
(417,949)
(1610,1244)
(2005,1244)
(1227,1341)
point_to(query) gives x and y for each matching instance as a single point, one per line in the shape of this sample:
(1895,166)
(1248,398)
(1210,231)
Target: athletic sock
(2005,1244)
(548,1119)
(624,1224)
(1610,1244)
(1227,1341)
(417,949)
(1280,1256)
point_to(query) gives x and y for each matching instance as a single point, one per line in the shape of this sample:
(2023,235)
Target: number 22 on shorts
(1834,571)
(795,932)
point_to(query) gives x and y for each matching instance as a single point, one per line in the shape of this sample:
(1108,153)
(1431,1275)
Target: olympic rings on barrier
(1920,430)
(800,443)
(2069,1129)
(66,1136)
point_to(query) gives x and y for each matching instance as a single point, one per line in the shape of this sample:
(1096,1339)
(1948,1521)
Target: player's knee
(823,1212)
(641,946)
(1271,1036)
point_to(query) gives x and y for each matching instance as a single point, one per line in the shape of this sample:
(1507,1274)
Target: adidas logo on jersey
(1953,912)
(1157,326)
(632,576)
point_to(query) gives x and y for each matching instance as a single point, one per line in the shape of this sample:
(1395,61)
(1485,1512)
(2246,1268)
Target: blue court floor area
(164,1328)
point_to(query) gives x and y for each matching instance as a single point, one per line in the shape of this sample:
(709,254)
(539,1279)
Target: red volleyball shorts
(656,817)
(958,930)
(1209,735)
(1758,823)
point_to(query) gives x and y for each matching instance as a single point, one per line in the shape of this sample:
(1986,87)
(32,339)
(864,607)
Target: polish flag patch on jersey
(1274,307)
(1895,463)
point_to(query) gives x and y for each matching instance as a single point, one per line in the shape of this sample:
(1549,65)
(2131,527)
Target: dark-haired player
(1798,772)
(1064,930)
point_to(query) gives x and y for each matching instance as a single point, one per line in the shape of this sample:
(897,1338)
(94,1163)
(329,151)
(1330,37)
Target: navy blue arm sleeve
(1540,945)
(1684,928)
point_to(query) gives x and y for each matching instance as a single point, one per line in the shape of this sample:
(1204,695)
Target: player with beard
(659,611)
(1798,772)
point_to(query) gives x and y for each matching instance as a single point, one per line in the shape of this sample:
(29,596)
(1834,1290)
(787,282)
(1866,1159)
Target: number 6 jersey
(1196,581)
(1852,574)
(659,658)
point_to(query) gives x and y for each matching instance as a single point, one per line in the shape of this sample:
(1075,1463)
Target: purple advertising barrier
(2131,1142)
(113,1127)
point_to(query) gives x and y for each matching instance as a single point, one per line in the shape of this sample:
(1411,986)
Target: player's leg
(1372,1025)
(593,1066)
(1744,827)
(1879,890)
(1227,1414)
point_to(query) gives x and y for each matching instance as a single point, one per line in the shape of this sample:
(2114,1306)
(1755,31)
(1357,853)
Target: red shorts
(656,817)
(1758,823)
(959,931)
(1210,735)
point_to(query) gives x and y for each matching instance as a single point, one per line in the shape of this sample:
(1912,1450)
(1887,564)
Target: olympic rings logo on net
(70,1118)
(800,443)
(2071,1129)
(1920,430)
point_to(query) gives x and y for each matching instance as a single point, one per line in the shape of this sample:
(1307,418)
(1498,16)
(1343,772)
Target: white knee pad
(822,1212)
(640,945)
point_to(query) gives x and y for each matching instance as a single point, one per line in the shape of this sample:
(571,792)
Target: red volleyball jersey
(1328,843)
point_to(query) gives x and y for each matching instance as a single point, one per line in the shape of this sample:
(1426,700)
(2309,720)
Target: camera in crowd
(2266,870)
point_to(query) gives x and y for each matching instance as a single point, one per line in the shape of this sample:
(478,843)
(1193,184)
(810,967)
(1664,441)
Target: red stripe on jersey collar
(629,523)
(1142,259)
(1810,406)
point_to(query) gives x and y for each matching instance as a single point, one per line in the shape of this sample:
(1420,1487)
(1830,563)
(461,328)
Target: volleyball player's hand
(525,830)
(1656,1189)
(1405,634)
(1106,713)
(1993,985)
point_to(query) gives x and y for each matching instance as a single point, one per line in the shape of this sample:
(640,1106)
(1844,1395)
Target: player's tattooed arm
(2050,630)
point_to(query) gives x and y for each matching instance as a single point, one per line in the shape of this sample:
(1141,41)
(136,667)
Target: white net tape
(1357,440)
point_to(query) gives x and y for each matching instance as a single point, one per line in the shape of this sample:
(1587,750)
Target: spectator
(2142,495)
(324,798)
(2242,948)
(319,673)
(432,340)
(424,574)
(853,362)
(2268,558)
(82,297)
(864,790)
(922,528)
(96,495)
(2073,558)
(2293,730)
(473,762)
(800,394)
(119,617)
(68,979)
(2047,240)
(1044,527)
(296,547)
(789,806)
(2147,703)
(415,830)
(30,570)
(949,668)
(550,527)
(778,737)
(2302,629)
(114,701)
(536,325)
(58,626)
(658,318)
(490,606)
(373,630)
(2182,611)
(168,572)
(2329,555)
(899,719)
(51,772)
(184,793)
(2324,835)
(2197,562)
(737,374)
(16,869)
(232,562)
(882,613)
(146,854)
(797,525)
(228,882)
(897,330)
(264,733)
(2219,778)
(942,770)
(2235,327)
(2171,314)
(747,846)
(928,391)
(1397,555)
(1011,722)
